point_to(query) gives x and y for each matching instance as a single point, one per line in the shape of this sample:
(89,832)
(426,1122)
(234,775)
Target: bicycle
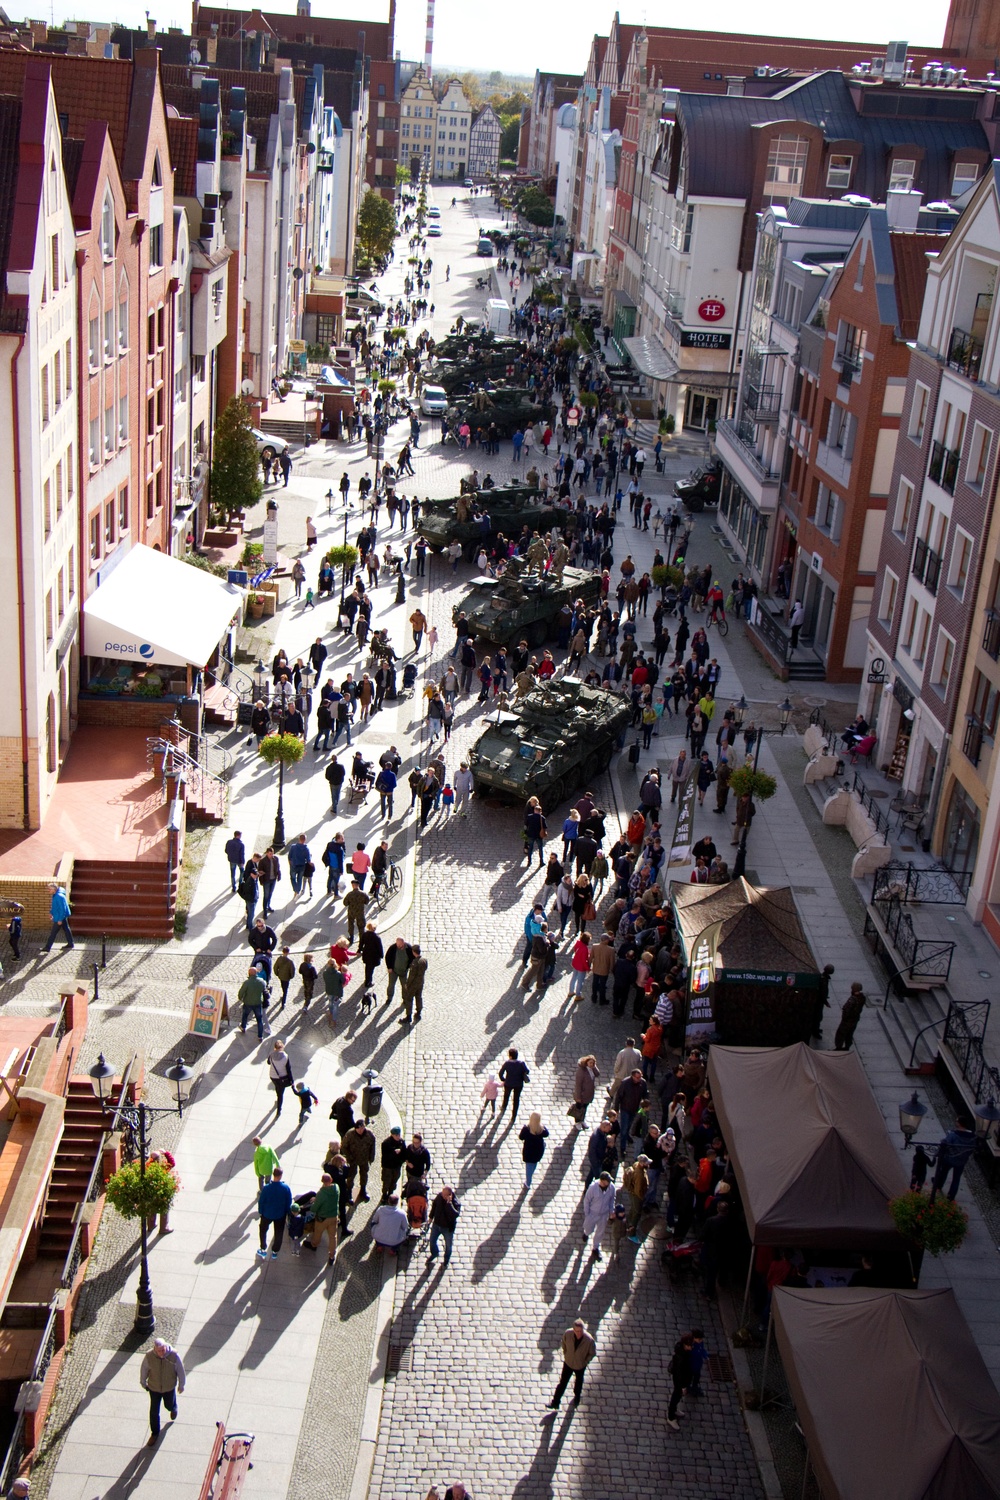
(387,886)
(720,622)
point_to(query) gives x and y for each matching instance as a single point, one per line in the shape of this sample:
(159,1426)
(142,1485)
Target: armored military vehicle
(558,738)
(476,517)
(522,605)
(509,407)
(457,369)
(701,487)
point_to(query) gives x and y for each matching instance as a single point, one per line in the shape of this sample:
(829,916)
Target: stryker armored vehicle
(559,737)
(509,407)
(522,605)
(507,508)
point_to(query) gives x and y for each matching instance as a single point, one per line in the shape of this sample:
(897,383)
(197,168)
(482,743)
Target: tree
(533,205)
(508,137)
(376,227)
(235,480)
(402,175)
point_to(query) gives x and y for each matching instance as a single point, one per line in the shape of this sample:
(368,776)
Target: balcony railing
(943,466)
(926,565)
(972,744)
(991,634)
(742,438)
(850,369)
(763,402)
(965,353)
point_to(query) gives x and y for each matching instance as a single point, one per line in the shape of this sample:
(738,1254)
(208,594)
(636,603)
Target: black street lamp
(740,862)
(259,679)
(135,1117)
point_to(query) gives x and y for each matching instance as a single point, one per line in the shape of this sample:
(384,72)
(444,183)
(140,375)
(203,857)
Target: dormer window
(901,175)
(965,175)
(838,173)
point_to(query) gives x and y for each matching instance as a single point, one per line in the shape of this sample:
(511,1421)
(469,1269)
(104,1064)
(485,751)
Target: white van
(497,316)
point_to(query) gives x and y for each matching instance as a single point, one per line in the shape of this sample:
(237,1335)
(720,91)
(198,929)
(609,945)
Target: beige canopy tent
(891,1392)
(809,1146)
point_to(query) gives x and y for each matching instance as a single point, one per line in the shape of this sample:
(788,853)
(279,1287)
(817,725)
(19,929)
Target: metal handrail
(72,1262)
(177,759)
(205,743)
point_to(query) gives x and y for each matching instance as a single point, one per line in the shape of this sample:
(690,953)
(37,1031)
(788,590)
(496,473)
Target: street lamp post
(136,1118)
(343,566)
(278,838)
(740,862)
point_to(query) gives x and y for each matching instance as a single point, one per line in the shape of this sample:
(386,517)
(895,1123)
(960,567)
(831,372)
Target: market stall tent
(155,608)
(809,1147)
(891,1393)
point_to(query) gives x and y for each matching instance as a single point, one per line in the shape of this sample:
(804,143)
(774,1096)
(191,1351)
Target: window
(984,703)
(887,603)
(918,413)
(197,370)
(159,328)
(428,132)
(841,430)
(218,290)
(123,418)
(94,343)
(109,428)
(109,333)
(964,176)
(47,505)
(405,132)
(49,619)
(57,380)
(451,135)
(156,247)
(56,278)
(108,229)
(944,661)
(45,394)
(71,573)
(59,488)
(123,510)
(151,334)
(95,537)
(109,524)
(979,455)
(922,630)
(961,561)
(94,443)
(123,323)
(69,366)
(901,175)
(838,172)
(159,406)
(786,167)
(61,594)
(904,507)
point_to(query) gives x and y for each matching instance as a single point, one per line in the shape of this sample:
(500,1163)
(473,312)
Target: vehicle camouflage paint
(557,738)
(523,603)
(506,508)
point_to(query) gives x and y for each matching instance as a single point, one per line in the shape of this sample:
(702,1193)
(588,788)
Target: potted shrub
(760,784)
(932,1223)
(664,576)
(253,553)
(255,606)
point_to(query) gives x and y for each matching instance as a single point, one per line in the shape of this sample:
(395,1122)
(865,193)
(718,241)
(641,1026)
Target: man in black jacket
(513,1075)
(393,1156)
(682,1373)
(335,774)
(444,1217)
(237,856)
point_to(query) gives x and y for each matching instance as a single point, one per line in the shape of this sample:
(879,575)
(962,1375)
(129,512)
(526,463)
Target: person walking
(602,962)
(265,1159)
(682,1374)
(954,1154)
(513,1075)
(279,1070)
(393,1157)
(236,854)
(162,1375)
(598,1206)
(444,1219)
(850,1015)
(326,1208)
(398,959)
(273,1204)
(796,620)
(358,1147)
(584,1086)
(59,911)
(354,904)
(284,972)
(252,995)
(299,863)
(578,1349)
(533,1137)
(412,986)
(580,964)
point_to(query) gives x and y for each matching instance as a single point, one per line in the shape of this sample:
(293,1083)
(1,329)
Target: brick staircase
(220,706)
(82,1131)
(123,900)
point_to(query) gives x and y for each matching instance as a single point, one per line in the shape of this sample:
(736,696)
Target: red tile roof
(909,255)
(86,88)
(326,31)
(183,137)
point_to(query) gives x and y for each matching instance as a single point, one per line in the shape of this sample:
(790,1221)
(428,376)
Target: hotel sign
(698,339)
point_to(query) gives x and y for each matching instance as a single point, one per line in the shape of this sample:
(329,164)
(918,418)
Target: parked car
(434,213)
(433,232)
(269,446)
(468,182)
(433,401)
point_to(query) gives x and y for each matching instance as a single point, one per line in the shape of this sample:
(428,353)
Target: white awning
(650,358)
(155,608)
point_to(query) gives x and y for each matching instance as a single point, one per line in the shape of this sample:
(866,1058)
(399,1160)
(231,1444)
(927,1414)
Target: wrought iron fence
(771,633)
(871,806)
(964,1031)
(935,887)
(16,1450)
(925,959)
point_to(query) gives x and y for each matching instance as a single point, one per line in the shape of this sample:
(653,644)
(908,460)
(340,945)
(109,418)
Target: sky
(556,37)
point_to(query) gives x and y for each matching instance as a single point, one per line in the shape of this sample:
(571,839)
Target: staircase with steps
(125,900)
(809,670)
(903,1019)
(83,1128)
(220,706)
(289,428)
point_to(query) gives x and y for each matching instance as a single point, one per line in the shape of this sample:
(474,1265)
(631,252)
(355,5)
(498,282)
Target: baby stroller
(681,1260)
(299,1217)
(409,677)
(362,778)
(416,1194)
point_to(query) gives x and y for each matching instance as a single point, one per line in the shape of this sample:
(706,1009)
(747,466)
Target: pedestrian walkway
(249,1331)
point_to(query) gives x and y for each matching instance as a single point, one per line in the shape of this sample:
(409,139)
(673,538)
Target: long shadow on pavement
(537,1483)
(491,1251)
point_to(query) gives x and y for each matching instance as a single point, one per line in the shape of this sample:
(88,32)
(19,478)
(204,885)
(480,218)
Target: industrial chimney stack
(429,40)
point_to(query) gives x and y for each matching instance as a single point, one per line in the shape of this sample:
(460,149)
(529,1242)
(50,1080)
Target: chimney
(211,48)
(736,85)
(302,8)
(150,27)
(429,38)
(902,208)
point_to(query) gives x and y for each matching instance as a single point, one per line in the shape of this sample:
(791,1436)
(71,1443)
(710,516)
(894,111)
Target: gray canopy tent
(809,1146)
(891,1392)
